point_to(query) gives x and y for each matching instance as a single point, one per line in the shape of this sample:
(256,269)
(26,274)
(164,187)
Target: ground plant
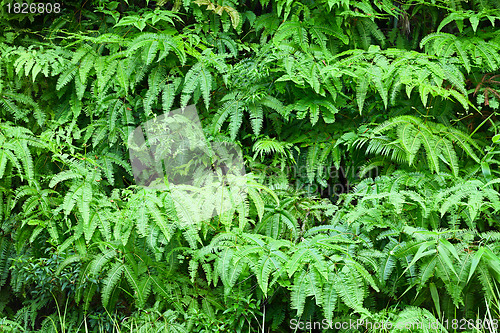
(368,135)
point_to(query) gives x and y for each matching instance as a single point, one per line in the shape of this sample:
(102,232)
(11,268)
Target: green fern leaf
(298,258)
(197,77)
(145,287)
(24,155)
(463,140)
(133,281)
(99,217)
(377,76)
(387,266)
(410,140)
(156,82)
(62,176)
(329,298)
(68,75)
(86,65)
(68,261)
(300,290)
(224,264)
(450,155)
(267,263)
(307,283)
(168,95)
(105,70)
(318,261)
(296,30)
(361,90)
(110,282)
(256,117)
(98,263)
(350,289)
(84,197)
(122,75)
(235,122)
(258,202)
(487,55)
(223,113)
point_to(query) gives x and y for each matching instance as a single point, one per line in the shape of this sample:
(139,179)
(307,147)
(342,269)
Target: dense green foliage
(369,134)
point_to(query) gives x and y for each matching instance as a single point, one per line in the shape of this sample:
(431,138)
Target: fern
(416,317)
(305,284)
(17,150)
(301,95)
(218,9)
(411,134)
(110,282)
(69,74)
(198,77)
(98,263)
(330,297)
(350,289)
(133,281)
(11,100)
(367,29)
(105,69)
(480,199)
(156,81)
(233,109)
(270,146)
(152,43)
(5,258)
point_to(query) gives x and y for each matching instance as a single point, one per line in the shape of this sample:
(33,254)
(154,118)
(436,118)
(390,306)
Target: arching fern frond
(410,134)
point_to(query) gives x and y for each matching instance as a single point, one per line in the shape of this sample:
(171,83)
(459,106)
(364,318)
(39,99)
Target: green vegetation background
(369,132)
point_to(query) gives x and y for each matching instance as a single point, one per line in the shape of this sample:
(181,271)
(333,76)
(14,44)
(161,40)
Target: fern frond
(197,77)
(97,264)
(305,284)
(350,289)
(256,117)
(269,146)
(110,282)
(69,74)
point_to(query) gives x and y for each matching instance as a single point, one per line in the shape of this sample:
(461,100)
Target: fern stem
(484,121)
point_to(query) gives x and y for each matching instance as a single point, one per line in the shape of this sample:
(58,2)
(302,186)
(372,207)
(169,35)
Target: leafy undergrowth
(368,135)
